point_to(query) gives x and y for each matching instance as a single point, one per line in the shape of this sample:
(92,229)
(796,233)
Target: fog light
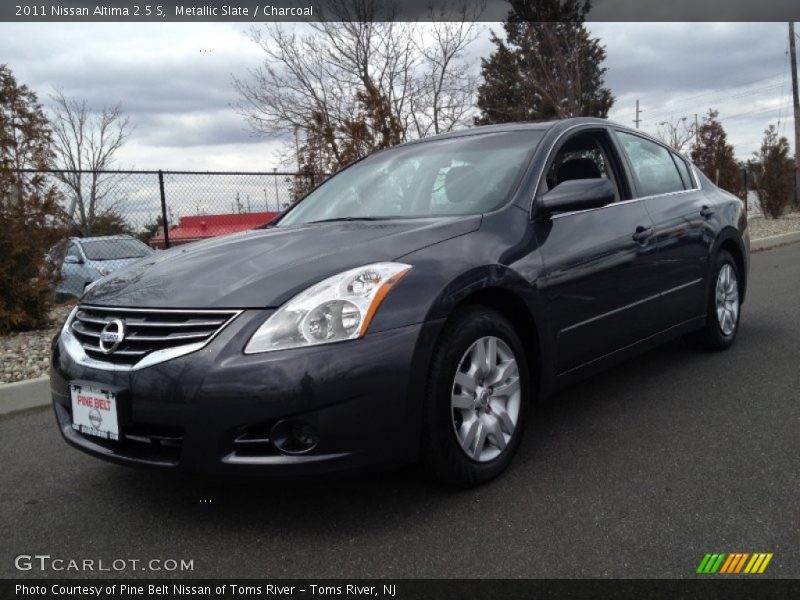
(294,436)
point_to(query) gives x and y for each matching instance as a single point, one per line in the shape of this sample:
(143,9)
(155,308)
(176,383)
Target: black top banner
(384,10)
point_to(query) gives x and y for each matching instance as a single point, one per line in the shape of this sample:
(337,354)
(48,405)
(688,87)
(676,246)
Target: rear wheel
(476,398)
(723,307)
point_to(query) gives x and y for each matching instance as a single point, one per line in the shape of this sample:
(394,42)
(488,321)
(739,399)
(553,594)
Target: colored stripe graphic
(730,564)
(758,563)
(722,563)
(765,563)
(727,564)
(754,563)
(703,563)
(740,564)
(734,558)
(710,563)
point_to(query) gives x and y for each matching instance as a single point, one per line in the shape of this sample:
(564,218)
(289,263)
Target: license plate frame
(95,410)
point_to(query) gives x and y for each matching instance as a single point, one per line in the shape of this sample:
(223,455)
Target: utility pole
(297,146)
(796,102)
(637,120)
(277,196)
(696,130)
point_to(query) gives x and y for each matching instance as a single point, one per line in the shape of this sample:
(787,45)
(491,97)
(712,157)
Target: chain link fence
(117,217)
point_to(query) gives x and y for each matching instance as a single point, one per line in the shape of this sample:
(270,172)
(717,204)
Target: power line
(748,113)
(720,98)
(734,86)
(686,101)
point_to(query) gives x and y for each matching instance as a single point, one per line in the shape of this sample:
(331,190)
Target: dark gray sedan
(412,306)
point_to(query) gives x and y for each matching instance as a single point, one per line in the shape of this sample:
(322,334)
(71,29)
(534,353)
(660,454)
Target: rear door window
(653,168)
(683,168)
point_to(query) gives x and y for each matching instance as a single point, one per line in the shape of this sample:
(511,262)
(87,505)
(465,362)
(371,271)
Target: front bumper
(363,398)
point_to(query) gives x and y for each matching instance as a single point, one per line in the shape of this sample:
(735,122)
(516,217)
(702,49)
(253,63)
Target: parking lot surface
(637,472)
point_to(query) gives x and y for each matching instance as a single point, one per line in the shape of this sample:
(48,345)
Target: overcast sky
(180,99)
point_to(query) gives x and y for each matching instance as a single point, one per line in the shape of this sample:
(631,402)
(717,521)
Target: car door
(598,280)
(72,271)
(680,213)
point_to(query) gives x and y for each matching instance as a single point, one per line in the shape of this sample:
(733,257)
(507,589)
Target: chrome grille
(145,330)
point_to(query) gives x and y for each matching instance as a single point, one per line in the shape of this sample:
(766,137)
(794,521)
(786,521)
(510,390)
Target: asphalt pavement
(634,473)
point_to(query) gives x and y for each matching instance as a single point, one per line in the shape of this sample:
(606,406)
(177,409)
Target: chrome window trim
(632,200)
(76,352)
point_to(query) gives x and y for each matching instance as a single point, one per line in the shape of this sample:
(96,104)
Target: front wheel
(723,307)
(476,398)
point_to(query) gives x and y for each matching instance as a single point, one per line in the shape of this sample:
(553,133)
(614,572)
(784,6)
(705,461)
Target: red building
(200,227)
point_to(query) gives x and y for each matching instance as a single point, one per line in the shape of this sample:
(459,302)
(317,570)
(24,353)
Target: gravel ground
(25,355)
(761,227)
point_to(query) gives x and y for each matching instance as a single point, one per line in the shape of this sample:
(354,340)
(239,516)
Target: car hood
(264,268)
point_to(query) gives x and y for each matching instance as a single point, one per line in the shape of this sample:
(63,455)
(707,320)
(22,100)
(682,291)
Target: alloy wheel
(727,299)
(485,399)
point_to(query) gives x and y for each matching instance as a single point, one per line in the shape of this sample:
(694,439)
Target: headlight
(102,270)
(338,308)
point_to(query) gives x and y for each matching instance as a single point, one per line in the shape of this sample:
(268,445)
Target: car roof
(516,126)
(121,236)
(553,124)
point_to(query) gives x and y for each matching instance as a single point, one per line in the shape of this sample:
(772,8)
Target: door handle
(642,233)
(706,211)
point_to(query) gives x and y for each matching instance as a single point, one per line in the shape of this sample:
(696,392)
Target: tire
(488,406)
(722,322)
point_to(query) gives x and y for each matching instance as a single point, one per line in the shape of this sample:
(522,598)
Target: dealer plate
(94,411)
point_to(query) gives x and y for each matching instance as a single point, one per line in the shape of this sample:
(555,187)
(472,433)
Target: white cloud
(681,69)
(174,80)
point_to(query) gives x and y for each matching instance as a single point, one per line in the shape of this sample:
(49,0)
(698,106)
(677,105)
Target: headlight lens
(338,308)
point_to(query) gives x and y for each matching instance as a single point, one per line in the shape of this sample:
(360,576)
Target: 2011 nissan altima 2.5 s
(412,306)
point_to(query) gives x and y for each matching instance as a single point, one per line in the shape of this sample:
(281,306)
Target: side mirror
(72,260)
(577,194)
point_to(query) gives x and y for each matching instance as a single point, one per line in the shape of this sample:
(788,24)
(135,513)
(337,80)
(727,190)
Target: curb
(774,241)
(24,395)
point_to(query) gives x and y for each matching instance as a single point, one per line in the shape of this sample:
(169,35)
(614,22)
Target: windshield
(114,249)
(457,176)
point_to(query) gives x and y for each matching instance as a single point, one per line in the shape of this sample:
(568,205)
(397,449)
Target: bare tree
(677,134)
(85,143)
(446,89)
(314,75)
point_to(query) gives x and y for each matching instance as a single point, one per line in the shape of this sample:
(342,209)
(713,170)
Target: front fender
(481,265)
